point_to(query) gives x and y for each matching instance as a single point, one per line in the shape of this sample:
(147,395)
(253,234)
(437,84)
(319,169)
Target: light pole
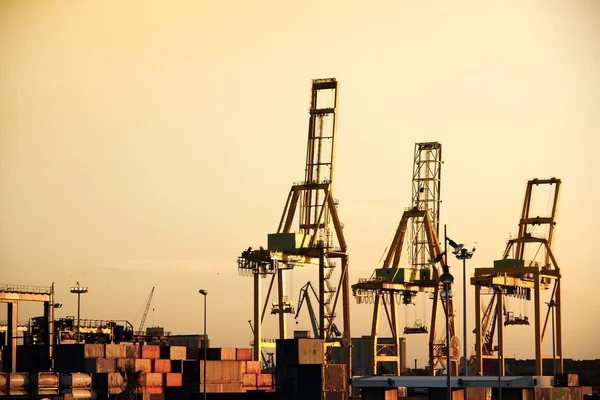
(552,304)
(447,279)
(464,255)
(204,293)
(79,290)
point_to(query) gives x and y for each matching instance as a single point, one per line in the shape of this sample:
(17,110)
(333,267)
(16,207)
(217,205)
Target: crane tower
(393,284)
(318,240)
(516,276)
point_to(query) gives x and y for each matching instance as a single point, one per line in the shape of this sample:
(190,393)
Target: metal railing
(25,289)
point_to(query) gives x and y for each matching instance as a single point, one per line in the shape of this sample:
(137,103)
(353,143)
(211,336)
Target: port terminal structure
(391,285)
(318,241)
(12,295)
(526,279)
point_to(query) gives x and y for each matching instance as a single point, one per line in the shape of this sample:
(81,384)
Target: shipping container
(124,362)
(566,380)
(173,352)
(114,351)
(143,365)
(312,378)
(18,381)
(47,380)
(304,334)
(253,367)
(153,396)
(334,378)
(264,380)
(219,353)
(150,352)
(75,380)
(100,365)
(172,379)
(153,390)
(223,387)
(249,380)
(107,381)
(161,366)
(189,341)
(291,352)
(3,381)
(222,371)
(132,351)
(18,392)
(191,371)
(151,379)
(243,354)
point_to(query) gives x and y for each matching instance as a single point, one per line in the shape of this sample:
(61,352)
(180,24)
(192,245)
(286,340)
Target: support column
(12,315)
(346,311)
(499,310)
(393,311)
(558,307)
(538,330)
(478,352)
(257,318)
(280,294)
(374,333)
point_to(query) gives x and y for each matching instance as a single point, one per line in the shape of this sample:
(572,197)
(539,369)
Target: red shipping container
(243,354)
(253,367)
(265,380)
(150,352)
(162,366)
(172,379)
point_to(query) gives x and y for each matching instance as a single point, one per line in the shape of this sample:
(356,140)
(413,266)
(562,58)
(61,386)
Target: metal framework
(12,295)
(319,239)
(525,279)
(393,285)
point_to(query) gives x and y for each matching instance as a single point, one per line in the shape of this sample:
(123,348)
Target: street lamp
(79,290)
(204,293)
(552,304)
(463,254)
(446,279)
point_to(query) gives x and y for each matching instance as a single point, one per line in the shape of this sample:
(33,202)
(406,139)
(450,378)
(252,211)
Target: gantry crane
(318,240)
(515,276)
(393,285)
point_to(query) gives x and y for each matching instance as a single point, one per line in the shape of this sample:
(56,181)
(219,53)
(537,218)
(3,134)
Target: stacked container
(302,374)
(47,383)
(3,384)
(76,384)
(18,383)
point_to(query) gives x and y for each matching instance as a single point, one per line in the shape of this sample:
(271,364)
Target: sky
(146,144)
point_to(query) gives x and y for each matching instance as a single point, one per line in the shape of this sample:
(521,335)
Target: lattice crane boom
(148,302)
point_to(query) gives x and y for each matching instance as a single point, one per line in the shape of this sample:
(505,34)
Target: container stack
(161,367)
(228,370)
(302,374)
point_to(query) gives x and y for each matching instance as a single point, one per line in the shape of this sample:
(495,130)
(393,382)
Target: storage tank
(18,381)
(75,380)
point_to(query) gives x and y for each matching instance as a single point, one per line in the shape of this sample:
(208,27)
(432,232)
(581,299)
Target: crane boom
(146,310)
(305,297)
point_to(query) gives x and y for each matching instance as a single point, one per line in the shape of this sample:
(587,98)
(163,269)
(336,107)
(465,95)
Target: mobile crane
(304,297)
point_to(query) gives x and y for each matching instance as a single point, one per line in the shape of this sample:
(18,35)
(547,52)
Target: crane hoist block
(513,263)
(287,241)
(397,275)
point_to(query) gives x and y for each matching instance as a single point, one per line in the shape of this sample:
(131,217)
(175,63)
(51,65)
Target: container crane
(143,321)
(319,239)
(392,285)
(304,297)
(524,279)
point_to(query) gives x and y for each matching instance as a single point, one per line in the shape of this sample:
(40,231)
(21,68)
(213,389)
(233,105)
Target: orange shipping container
(229,387)
(153,396)
(253,367)
(150,379)
(222,371)
(173,352)
(264,380)
(173,379)
(143,365)
(249,380)
(150,352)
(162,366)
(153,390)
(115,351)
(243,354)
